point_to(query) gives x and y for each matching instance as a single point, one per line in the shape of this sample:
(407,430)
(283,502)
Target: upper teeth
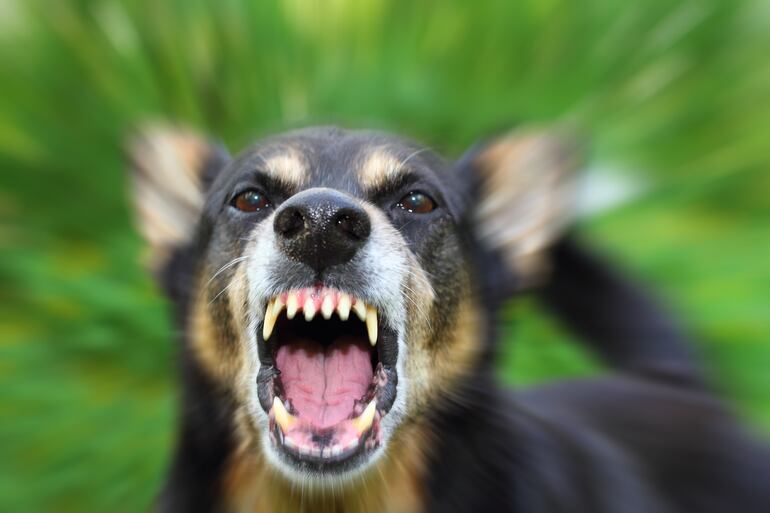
(323,300)
(343,307)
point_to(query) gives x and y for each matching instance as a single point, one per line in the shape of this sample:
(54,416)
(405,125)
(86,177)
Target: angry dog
(337,293)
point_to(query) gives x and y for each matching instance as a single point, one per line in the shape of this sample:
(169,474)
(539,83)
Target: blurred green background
(674,95)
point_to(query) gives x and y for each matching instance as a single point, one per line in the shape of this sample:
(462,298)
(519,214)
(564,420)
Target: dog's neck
(395,484)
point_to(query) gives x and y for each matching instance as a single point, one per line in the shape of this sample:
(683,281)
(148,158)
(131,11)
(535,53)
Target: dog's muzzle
(328,356)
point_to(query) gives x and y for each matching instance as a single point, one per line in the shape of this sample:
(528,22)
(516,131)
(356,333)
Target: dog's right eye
(251,201)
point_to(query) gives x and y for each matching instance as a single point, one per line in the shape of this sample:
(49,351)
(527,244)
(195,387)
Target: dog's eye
(251,201)
(417,203)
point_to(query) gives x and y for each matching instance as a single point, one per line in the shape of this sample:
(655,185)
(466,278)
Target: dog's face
(336,291)
(330,255)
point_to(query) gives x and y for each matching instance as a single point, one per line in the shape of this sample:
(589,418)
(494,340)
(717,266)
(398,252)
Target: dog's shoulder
(518,451)
(636,443)
(621,443)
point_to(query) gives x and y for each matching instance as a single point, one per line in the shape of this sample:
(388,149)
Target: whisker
(228,265)
(221,292)
(409,157)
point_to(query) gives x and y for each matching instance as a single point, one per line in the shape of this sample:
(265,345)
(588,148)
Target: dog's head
(337,286)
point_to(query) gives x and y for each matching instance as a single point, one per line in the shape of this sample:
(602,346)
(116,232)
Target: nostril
(353,223)
(289,222)
(345,223)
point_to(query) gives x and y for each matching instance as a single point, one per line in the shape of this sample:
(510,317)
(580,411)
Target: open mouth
(328,375)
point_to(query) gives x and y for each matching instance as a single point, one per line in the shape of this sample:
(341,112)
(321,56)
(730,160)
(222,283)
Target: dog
(337,294)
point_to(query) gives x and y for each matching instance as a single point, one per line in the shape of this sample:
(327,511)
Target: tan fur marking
(204,340)
(435,367)
(288,166)
(242,368)
(527,190)
(208,339)
(166,164)
(379,166)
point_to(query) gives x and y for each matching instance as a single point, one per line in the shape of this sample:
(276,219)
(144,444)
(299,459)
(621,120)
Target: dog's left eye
(251,201)
(417,203)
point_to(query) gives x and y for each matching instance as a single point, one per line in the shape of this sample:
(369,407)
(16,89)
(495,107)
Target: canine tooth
(343,307)
(371,324)
(309,308)
(270,316)
(292,305)
(360,309)
(288,442)
(278,307)
(284,419)
(327,308)
(364,421)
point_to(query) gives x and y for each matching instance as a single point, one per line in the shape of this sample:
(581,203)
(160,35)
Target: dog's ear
(521,187)
(171,170)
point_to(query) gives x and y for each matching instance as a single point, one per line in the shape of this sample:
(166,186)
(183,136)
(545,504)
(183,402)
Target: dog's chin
(325,476)
(327,382)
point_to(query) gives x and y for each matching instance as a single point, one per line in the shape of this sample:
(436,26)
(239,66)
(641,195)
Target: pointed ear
(171,170)
(523,187)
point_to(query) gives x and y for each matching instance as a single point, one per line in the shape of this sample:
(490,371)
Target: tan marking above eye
(286,165)
(380,165)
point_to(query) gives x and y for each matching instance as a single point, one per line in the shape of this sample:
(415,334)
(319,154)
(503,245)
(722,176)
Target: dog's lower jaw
(392,484)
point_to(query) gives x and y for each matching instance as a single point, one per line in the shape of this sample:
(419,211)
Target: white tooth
(284,419)
(352,444)
(304,449)
(270,316)
(327,307)
(315,451)
(343,307)
(288,442)
(309,308)
(371,324)
(292,305)
(360,309)
(278,307)
(336,450)
(364,421)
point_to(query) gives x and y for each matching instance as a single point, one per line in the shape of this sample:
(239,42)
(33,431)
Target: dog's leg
(613,316)
(205,442)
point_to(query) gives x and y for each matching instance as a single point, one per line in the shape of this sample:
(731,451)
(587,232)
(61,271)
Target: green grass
(676,94)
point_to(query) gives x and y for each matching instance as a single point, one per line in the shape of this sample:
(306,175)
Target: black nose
(321,228)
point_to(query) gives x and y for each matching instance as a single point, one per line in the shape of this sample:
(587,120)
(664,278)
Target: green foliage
(674,93)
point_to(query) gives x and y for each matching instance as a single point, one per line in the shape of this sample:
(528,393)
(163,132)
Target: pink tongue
(324,383)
